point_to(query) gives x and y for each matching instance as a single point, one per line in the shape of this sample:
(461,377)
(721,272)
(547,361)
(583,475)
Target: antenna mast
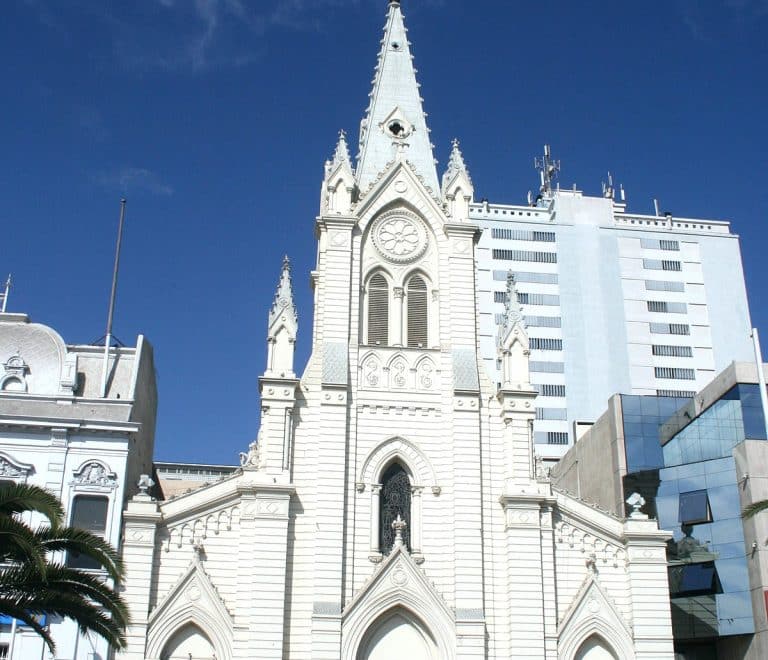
(5,294)
(548,170)
(112,297)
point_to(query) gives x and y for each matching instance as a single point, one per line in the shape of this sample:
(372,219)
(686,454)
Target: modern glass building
(697,462)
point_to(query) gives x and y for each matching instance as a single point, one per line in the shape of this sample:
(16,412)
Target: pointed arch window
(418,312)
(378,310)
(395,500)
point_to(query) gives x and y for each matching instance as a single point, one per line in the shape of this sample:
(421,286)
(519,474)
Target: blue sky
(214,118)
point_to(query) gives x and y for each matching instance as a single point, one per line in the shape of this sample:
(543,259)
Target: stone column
(140,521)
(396,324)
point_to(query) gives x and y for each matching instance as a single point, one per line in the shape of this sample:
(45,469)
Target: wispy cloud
(706,20)
(191,36)
(92,122)
(133,179)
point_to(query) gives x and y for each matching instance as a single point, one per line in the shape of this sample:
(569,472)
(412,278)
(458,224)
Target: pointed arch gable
(593,613)
(383,195)
(192,600)
(398,584)
(413,459)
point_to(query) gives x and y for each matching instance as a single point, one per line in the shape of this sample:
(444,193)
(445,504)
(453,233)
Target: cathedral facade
(392,503)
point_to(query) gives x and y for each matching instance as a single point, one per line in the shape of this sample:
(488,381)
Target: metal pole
(761,377)
(112,296)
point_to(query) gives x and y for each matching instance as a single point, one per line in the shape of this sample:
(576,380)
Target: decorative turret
(282,328)
(395,125)
(458,191)
(513,342)
(339,182)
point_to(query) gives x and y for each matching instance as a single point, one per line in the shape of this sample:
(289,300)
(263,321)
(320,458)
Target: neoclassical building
(392,503)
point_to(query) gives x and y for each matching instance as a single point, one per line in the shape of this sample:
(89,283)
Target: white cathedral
(392,505)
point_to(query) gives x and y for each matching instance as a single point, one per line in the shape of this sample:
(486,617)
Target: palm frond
(19,543)
(9,608)
(72,539)
(754,508)
(19,498)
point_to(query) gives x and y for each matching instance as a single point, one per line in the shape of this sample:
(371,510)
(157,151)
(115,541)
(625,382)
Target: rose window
(400,237)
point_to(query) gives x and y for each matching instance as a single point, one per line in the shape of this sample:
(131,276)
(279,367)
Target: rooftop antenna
(656,206)
(4,295)
(112,297)
(548,170)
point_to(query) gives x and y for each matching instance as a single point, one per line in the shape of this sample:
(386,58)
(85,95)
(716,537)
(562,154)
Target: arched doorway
(188,643)
(595,649)
(398,634)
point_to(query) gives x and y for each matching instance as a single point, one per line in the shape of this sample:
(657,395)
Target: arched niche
(397,633)
(595,648)
(188,642)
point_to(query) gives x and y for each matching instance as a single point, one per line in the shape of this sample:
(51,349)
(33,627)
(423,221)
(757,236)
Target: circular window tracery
(400,236)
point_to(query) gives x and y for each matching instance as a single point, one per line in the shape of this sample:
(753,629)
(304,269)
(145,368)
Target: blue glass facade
(691,485)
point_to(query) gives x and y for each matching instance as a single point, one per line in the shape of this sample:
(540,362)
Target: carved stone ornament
(252,459)
(12,470)
(15,373)
(400,236)
(94,473)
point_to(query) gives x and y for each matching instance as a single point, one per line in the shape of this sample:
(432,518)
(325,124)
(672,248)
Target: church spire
(340,156)
(395,120)
(282,328)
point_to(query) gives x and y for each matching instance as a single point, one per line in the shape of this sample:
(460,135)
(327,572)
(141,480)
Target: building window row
(678,394)
(523,235)
(546,344)
(526,276)
(548,389)
(667,307)
(664,285)
(538,299)
(662,264)
(525,255)
(659,244)
(672,351)
(670,328)
(675,373)
(546,367)
(552,414)
(528,298)
(534,321)
(550,438)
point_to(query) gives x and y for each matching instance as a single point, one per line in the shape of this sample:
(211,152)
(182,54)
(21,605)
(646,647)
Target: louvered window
(417,312)
(378,310)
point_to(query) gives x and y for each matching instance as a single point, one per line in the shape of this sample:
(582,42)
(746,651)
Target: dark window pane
(694,507)
(395,500)
(89,512)
(694,580)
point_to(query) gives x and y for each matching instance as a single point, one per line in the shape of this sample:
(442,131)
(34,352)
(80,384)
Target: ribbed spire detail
(283,303)
(456,164)
(340,156)
(395,121)
(513,313)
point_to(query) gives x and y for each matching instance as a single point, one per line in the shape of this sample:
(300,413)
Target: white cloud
(134,179)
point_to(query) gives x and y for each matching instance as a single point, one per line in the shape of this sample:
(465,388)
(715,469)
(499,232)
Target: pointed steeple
(513,313)
(282,328)
(458,191)
(456,166)
(340,155)
(395,121)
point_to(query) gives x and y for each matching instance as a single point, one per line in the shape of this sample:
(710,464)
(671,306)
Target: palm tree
(34,583)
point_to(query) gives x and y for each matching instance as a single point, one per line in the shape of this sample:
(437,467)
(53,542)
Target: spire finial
(513,313)
(456,164)
(283,302)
